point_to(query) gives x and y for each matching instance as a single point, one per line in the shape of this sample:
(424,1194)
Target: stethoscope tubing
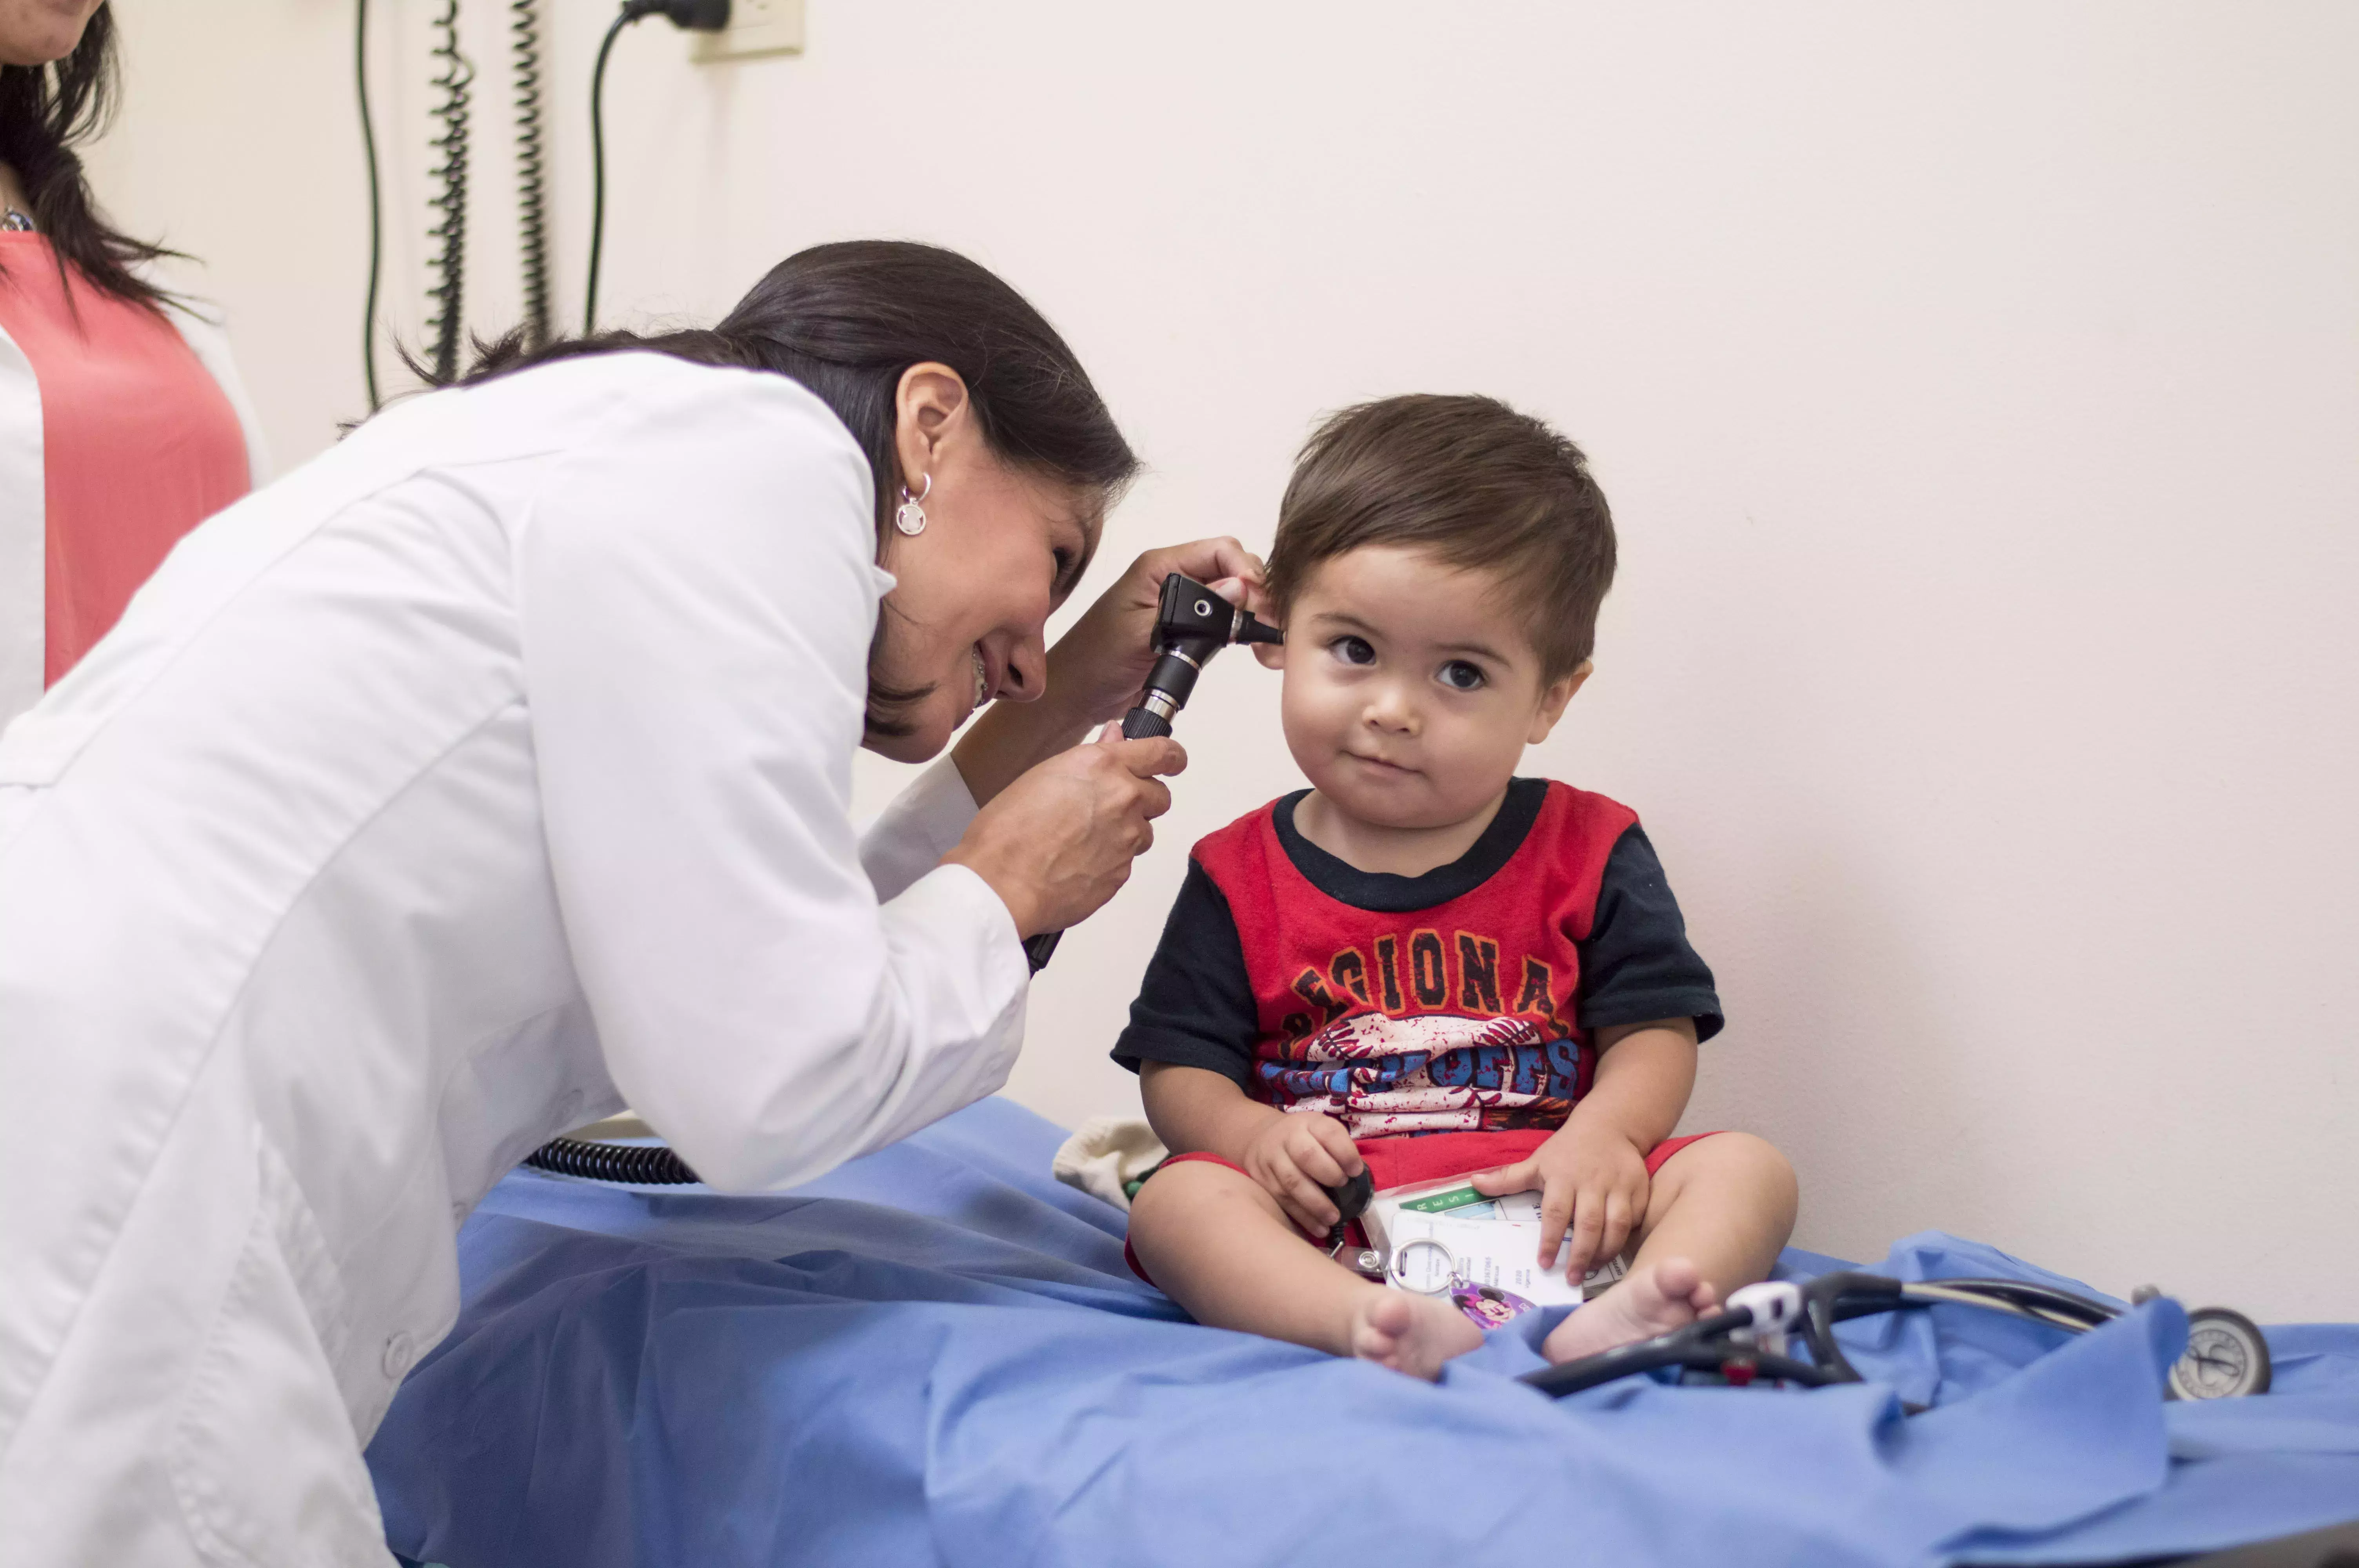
(1710,1344)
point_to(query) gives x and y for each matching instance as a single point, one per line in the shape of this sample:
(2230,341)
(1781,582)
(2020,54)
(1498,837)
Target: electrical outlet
(755,27)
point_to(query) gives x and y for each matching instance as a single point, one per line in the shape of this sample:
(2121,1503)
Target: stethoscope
(1749,1342)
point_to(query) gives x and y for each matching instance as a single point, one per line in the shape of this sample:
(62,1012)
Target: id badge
(1426,1267)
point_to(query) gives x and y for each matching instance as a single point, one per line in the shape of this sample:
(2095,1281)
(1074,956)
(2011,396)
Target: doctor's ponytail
(845,320)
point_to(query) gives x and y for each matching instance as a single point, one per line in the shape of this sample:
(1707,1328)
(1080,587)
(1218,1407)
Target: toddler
(1424,966)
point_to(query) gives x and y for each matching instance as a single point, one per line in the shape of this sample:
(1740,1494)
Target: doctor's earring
(910,516)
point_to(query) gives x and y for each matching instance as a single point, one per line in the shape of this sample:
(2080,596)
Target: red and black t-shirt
(1462,999)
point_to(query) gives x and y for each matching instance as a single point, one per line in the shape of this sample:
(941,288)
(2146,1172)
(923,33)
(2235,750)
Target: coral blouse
(138,442)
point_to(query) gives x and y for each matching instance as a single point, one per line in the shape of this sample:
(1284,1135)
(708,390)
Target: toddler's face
(1411,690)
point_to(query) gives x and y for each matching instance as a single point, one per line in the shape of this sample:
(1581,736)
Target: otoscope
(1191,624)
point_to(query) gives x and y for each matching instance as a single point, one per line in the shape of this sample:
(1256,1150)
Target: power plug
(755,27)
(695,16)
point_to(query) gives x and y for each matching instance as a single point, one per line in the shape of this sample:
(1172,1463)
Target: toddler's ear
(1271,654)
(1553,698)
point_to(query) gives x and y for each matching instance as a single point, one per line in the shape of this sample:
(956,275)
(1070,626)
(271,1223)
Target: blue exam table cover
(935,1356)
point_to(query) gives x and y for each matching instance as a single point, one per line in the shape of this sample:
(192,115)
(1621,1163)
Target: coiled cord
(643,1165)
(532,180)
(449,261)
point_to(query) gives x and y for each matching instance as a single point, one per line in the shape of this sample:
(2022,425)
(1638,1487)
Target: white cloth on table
(1105,1153)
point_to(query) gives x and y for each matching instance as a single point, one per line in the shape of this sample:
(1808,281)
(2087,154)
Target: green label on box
(1443,1202)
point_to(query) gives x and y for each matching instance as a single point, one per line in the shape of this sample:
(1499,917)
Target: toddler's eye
(1353,650)
(1459,676)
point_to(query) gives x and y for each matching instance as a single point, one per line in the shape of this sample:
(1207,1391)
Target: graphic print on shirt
(1429,1074)
(1459,1017)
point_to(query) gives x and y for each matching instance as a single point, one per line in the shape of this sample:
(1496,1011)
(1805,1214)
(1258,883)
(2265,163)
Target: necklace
(14,222)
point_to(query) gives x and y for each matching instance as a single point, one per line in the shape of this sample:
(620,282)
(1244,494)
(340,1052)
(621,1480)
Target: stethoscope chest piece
(2226,1357)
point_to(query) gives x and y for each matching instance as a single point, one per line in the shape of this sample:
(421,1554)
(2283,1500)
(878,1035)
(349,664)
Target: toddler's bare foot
(1410,1333)
(1648,1301)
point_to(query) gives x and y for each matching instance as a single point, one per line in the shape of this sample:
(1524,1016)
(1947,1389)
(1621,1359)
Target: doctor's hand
(1058,842)
(1096,669)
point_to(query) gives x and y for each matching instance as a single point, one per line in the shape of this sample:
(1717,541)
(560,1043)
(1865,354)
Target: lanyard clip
(1363,1260)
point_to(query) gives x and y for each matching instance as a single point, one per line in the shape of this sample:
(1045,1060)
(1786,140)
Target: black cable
(2061,1309)
(642,1164)
(450,261)
(695,16)
(1707,1344)
(532,179)
(629,14)
(1703,1351)
(377,218)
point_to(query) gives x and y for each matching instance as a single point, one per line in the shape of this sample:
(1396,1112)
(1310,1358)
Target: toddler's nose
(1389,709)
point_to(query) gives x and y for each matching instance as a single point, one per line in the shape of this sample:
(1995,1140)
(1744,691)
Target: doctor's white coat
(485,775)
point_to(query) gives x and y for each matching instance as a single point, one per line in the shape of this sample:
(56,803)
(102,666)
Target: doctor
(488,774)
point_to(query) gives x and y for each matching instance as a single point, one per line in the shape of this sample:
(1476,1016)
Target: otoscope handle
(1139,724)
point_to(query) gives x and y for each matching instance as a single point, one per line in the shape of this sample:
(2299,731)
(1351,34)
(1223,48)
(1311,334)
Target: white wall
(1977,388)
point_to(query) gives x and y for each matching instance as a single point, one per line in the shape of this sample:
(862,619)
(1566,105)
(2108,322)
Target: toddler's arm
(1645,1074)
(1591,1172)
(1292,1155)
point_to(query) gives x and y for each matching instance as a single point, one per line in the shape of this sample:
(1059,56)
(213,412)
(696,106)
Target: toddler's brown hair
(1474,483)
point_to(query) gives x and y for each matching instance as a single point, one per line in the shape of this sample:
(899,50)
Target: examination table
(935,1355)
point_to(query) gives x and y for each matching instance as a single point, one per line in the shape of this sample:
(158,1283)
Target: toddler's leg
(1716,1215)
(1220,1247)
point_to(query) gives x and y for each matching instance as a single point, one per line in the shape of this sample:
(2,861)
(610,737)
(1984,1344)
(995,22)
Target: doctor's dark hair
(1471,484)
(45,110)
(846,320)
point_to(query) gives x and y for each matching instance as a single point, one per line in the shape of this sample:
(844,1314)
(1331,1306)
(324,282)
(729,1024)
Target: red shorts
(1437,1156)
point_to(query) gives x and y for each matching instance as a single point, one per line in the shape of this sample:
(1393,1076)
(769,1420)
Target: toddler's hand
(1293,1156)
(1592,1181)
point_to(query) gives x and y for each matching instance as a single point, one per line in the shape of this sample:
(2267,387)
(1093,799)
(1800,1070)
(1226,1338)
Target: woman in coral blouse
(121,424)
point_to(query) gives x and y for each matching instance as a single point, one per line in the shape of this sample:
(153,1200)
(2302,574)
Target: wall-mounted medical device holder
(453,112)
(1191,624)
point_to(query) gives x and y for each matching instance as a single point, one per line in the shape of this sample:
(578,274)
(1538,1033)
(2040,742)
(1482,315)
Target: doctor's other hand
(1057,843)
(1099,667)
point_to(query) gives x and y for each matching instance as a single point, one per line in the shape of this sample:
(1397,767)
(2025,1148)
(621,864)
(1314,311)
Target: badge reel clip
(1422,1267)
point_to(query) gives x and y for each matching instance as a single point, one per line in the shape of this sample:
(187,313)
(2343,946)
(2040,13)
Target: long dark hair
(45,110)
(846,320)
